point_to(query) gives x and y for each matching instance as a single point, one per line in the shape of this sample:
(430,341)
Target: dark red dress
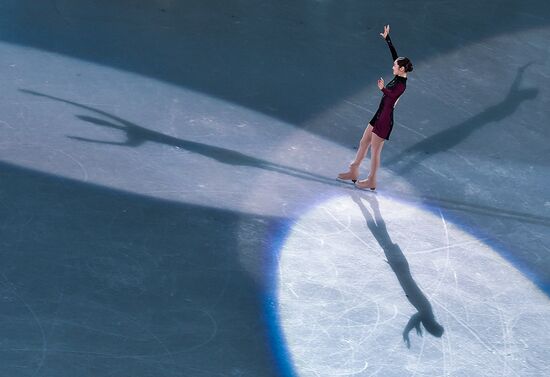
(382,121)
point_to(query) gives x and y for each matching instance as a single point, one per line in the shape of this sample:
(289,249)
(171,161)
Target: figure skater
(381,124)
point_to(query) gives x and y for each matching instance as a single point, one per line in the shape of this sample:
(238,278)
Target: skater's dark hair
(406,63)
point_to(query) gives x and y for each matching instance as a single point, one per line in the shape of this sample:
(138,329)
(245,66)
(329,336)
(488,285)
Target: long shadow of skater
(400,267)
(137,135)
(449,138)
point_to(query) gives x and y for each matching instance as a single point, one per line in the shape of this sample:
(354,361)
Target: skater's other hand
(380,83)
(386,31)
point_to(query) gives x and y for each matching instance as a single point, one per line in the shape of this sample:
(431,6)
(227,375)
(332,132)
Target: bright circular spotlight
(359,274)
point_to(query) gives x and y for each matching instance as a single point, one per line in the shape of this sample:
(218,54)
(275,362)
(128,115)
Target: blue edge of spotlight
(488,240)
(277,236)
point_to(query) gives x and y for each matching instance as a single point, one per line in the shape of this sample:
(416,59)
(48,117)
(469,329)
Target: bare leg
(353,172)
(377,143)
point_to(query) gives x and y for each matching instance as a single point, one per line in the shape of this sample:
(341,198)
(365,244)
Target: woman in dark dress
(381,124)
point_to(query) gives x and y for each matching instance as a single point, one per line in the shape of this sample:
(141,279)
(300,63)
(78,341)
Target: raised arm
(392,49)
(386,36)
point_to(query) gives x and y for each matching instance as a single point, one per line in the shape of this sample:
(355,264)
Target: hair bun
(405,63)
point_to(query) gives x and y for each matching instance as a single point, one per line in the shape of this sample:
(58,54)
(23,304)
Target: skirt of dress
(382,124)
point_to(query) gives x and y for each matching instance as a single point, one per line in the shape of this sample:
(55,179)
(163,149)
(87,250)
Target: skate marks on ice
(358,273)
(399,265)
(137,135)
(101,282)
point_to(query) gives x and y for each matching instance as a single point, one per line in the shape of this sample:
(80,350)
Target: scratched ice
(151,150)
(346,295)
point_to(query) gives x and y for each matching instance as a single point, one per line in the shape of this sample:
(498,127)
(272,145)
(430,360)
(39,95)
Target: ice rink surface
(168,202)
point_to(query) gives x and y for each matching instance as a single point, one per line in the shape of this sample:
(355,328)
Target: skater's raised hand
(386,31)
